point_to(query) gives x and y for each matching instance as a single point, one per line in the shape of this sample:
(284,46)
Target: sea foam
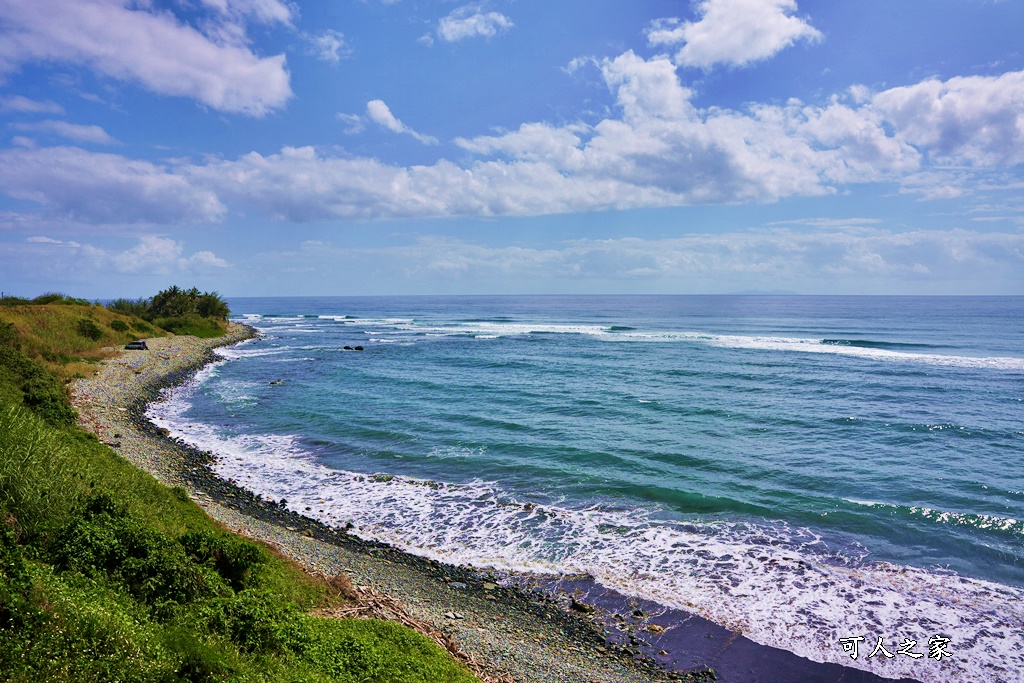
(774,582)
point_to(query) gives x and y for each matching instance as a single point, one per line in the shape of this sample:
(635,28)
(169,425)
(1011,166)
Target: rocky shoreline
(509,632)
(523,628)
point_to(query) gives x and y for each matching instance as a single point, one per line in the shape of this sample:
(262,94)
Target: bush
(257,621)
(361,650)
(131,307)
(17,604)
(142,326)
(119,325)
(58,298)
(104,539)
(48,399)
(234,558)
(198,661)
(191,324)
(89,329)
(40,390)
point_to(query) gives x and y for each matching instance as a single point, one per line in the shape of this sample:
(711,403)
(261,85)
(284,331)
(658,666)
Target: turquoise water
(799,468)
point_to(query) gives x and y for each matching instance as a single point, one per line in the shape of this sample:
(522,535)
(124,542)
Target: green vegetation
(66,336)
(179,311)
(107,575)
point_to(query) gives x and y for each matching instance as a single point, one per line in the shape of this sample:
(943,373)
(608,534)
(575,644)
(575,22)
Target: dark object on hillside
(136,346)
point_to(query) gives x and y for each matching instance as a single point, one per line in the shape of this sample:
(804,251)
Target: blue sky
(263,147)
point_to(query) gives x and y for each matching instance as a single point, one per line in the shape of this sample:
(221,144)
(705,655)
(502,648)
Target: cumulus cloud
(660,151)
(71,131)
(733,32)
(41,261)
(470,21)
(149,48)
(74,184)
(378,112)
(155,254)
(657,149)
(977,120)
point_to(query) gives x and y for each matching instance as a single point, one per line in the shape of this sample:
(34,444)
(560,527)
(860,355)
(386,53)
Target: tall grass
(68,338)
(36,485)
(107,575)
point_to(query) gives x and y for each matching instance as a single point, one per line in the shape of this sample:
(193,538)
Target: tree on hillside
(175,302)
(210,305)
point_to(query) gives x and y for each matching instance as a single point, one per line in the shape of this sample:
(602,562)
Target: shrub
(361,650)
(256,621)
(191,324)
(17,607)
(58,298)
(131,307)
(197,661)
(45,396)
(119,325)
(89,329)
(234,558)
(142,326)
(104,539)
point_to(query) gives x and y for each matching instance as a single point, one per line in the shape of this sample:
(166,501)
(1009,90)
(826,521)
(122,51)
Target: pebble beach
(503,633)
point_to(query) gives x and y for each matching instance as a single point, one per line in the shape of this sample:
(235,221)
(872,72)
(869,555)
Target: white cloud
(155,254)
(976,120)
(734,32)
(151,49)
(18,103)
(71,131)
(470,21)
(74,184)
(662,151)
(353,123)
(41,239)
(378,112)
(851,259)
(536,142)
(266,11)
(658,149)
(329,46)
(46,261)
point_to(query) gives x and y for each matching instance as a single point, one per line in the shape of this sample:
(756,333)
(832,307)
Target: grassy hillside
(107,575)
(67,335)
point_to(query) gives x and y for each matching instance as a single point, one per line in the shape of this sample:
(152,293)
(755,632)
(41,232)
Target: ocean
(805,470)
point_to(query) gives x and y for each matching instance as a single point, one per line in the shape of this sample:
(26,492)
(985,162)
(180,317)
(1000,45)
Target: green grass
(204,328)
(108,575)
(67,338)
